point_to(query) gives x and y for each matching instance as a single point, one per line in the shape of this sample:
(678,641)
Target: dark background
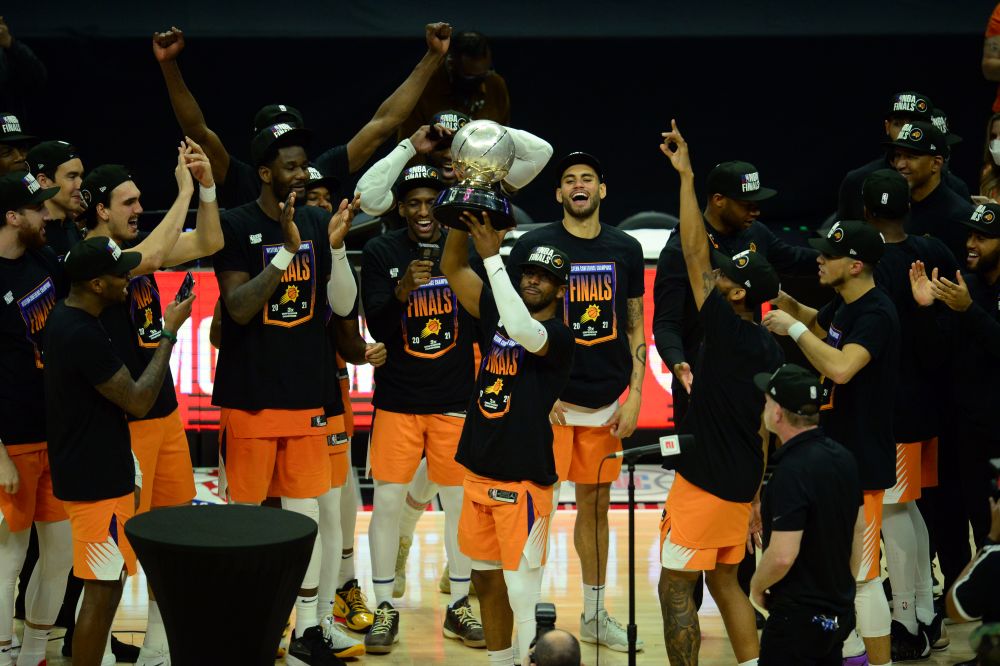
(799,91)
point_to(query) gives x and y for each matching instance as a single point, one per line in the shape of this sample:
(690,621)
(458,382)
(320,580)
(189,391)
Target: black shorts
(799,637)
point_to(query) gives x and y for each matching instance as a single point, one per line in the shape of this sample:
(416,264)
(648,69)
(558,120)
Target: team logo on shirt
(35,307)
(834,336)
(496,376)
(293,302)
(145,311)
(430,322)
(589,304)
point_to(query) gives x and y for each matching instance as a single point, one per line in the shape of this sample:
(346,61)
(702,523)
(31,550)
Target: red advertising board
(193,363)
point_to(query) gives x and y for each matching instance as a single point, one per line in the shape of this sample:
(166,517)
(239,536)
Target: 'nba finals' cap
(910,104)
(793,387)
(10,130)
(551,259)
(420,175)
(852,238)
(97,256)
(920,137)
(272,114)
(317,179)
(886,194)
(985,220)
(739,181)
(453,120)
(20,189)
(751,271)
(276,136)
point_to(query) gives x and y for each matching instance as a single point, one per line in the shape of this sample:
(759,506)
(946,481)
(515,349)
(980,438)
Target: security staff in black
(813,524)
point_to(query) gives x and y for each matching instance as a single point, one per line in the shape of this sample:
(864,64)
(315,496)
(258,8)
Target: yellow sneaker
(350,606)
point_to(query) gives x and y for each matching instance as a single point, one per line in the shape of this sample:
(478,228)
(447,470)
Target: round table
(225,577)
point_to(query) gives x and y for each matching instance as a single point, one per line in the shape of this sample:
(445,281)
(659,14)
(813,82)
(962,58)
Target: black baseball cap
(739,181)
(98,185)
(272,114)
(940,120)
(276,136)
(912,104)
(793,387)
(920,137)
(985,220)
(19,189)
(420,175)
(851,238)
(47,156)
(751,271)
(886,194)
(10,130)
(580,158)
(551,259)
(317,179)
(97,256)
(453,120)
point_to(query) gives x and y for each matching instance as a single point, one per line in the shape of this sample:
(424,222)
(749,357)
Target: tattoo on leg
(681,630)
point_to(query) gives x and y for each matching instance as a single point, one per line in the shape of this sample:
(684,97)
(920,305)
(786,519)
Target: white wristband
(206,194)
(796,330)
(282,259)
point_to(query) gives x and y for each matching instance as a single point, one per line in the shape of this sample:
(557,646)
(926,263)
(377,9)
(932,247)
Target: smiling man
(58,164)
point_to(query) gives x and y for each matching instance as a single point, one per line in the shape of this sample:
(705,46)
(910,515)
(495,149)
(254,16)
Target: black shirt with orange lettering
(30,286)
(428,340)
(280,359)
(507,435)
(605,272)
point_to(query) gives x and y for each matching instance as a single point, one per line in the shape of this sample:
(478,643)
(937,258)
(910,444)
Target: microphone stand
(632,630)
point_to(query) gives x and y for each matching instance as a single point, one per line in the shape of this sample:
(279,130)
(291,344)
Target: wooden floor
(422,609)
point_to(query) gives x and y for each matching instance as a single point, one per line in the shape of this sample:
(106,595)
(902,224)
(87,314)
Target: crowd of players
(903,352)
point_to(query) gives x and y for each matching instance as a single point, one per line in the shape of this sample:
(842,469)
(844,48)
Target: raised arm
(137,396)
(461,278)
(840,365)
(206,239)
(245,297)
(24,67)
(166,47)
(531,154)
(158,245)
(397,106)
(375,186)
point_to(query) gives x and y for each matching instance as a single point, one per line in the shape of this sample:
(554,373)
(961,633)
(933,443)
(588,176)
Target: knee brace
(524,589)
(872,609)
(308,507)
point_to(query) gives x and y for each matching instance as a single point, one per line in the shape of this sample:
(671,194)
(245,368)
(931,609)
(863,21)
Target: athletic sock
(501,657)
(593,601)
(409,517)
(904,611)
(306,613)
(383,591)
(459,590)
(346,567)
(156,635)
(853,645)
(749,662)
(33,646)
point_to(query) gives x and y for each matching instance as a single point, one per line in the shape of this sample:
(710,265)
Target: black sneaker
(462,624)
(384,633)
(311,649)
(937,635)
(907,646)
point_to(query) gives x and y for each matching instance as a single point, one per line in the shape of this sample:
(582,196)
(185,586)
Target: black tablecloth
(225,577)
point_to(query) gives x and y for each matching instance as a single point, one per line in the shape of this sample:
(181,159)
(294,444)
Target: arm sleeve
(520,325)
(669,294)
(531,154)
(375,186)
(341,290)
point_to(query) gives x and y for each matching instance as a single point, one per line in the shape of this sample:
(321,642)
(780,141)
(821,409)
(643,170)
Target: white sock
(593,600)
(853,645)
(306,613)
(749,662)
(156,635)
(901,560)
(925,579)
(459,564)
(33,646)
(501,657)
(383,537)
(346,567)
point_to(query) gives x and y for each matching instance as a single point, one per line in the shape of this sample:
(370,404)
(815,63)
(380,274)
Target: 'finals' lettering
(429,302)
(142,292)
(503,360)
(590,287)
(299,270)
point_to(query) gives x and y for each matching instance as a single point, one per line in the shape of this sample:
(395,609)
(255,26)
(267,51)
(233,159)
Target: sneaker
(124,653)
(444,583)
(311,649)
(399,584)
(153,656)
(907,646)
(351,606)
(605,630)
(860,660)
(462,624)
(937,635)
(338,641)
(385,630)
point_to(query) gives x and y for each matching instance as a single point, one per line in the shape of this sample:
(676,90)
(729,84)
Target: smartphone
(187,286)
(429,251)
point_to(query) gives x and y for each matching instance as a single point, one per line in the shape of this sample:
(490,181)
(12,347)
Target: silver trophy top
(482,152)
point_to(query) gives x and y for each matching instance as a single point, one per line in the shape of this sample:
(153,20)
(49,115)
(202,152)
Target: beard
(593,204)
(988,262)
(539,305)
(32,239)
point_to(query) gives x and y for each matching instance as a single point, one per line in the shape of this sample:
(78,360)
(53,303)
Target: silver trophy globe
(482,152)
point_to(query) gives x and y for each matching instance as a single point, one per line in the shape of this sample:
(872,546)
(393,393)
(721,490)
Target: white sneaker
(607,631)
(339,641)
(399,585)
(153,656)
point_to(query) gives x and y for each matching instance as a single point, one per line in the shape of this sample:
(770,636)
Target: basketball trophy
(482,152)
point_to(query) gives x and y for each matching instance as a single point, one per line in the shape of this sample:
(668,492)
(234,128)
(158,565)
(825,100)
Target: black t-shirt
(429,366)
(135,327)
(975,594)
(507,435)
(941,214)
(859,414)
(280,359)
(727,456)
(851,205)
(923,341)
(975,364)
(89,443)
(30,286)
(61,236)
(605,273)
(814,489)
(242,183)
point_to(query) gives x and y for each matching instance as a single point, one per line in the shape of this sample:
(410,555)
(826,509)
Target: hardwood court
(422,609)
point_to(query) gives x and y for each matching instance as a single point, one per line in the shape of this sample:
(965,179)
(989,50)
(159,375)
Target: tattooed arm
(991,58)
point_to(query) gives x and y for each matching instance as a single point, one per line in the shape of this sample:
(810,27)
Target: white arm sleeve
(531,154)
(341,290)
(520,325)
(375,187)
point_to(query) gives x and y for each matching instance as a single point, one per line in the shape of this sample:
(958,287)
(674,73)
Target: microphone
(668,446)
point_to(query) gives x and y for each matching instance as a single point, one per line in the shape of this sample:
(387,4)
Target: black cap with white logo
(911,104)
(272,114)
(99,184)
(793,387)
(985,220)
(886,194)
(10,130)
(751,271)
(273,137)
(852,238)
(20,189)
(47,156)
(97,256)
(920,137)
(739,181)
(420,175)
(551,259)
(317,179)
